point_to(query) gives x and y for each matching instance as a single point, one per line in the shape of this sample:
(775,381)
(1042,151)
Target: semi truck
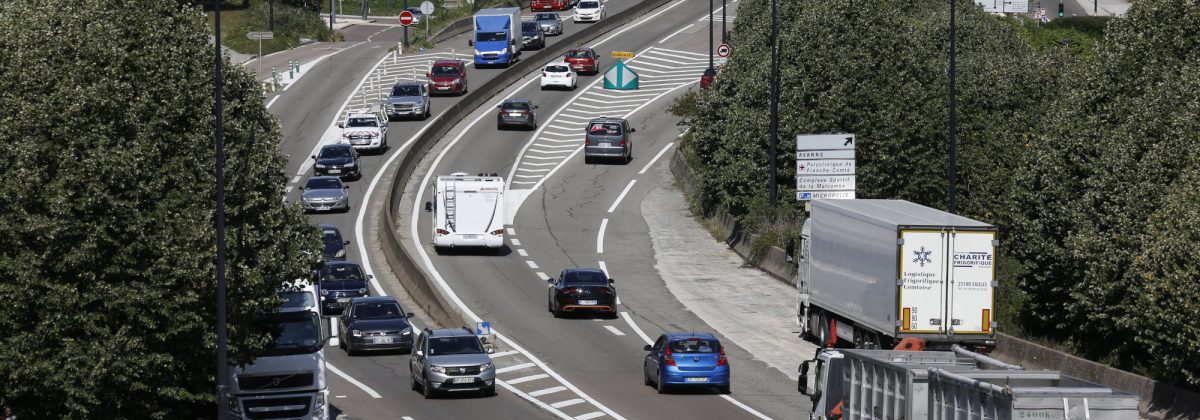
(873,272)
(497,37)
(468,211)
(852,384)
(288,379)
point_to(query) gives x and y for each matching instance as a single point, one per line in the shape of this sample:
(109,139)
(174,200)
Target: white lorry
(288,379)
(468,211)
(853,384)
(873,272)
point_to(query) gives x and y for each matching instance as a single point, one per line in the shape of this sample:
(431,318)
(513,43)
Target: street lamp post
(774,105)
(724,34)
(271,16)
(952,170)
(222,362)
(710,34)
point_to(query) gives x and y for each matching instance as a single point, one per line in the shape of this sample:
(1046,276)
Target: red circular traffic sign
(406,18)
(724,50)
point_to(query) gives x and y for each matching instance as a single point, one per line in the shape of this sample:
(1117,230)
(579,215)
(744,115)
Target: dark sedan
(516,112)
(532,36)
(341,281)
(340,160)
(334,248)
(375,323)
(582,290)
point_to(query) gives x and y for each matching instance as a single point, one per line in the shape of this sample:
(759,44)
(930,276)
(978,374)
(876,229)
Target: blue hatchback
(686,359)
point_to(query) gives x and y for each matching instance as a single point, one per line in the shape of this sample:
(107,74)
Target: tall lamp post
(710,34)
(952,170)
(222,362)
(774,105)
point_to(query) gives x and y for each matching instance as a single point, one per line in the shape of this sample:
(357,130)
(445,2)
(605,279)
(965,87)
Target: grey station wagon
(608,138)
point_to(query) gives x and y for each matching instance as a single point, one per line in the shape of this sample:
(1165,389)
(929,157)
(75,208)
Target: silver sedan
(551,23)
(324,193)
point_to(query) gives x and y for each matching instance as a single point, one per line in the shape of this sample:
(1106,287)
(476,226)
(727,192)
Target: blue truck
(497,38)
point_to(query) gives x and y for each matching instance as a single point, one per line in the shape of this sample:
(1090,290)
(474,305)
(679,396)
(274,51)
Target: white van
(468,211)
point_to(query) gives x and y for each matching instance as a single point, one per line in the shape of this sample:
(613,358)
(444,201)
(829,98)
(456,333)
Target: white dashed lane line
(600,237)
(613,330)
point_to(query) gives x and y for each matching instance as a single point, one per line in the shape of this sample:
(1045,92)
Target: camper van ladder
(450,207)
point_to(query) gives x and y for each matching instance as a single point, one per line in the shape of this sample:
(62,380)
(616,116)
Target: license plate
(382,340)
(443,87)
(514,114)
(343,300)
(335,171)
(695,379)
(470,236)
(464,380)
(587,302)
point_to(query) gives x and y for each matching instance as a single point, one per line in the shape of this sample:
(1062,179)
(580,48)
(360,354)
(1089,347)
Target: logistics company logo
(973,259)
(922,256)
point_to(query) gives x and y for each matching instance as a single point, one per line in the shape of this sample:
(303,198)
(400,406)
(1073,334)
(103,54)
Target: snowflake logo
(922,256)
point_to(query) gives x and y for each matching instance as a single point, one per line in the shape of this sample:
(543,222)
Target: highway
(553,380)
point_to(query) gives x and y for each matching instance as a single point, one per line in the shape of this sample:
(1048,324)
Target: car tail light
(622,141)
(443,232)
(543,74)
(606,291)
(722,361)
(586,141)
(498,232)
(668,359)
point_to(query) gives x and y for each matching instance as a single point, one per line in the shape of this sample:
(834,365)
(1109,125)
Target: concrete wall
(1158,401)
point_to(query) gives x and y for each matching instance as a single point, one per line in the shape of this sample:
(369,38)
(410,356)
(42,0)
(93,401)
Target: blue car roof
(672,336)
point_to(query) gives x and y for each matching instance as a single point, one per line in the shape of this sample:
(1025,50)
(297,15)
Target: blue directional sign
(483,328)
(620,77)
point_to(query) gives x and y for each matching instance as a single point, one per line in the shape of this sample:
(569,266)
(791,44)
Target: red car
(583,60)
(539,5)
(447,77)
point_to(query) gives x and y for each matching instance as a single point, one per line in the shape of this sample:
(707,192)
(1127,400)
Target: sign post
(825,166)
(427,15)
(260,36)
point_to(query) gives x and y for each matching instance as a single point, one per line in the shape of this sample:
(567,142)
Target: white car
(589,11)
(365,129)
(558,74)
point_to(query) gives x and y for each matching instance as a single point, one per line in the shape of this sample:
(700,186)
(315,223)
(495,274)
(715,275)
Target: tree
(106,144)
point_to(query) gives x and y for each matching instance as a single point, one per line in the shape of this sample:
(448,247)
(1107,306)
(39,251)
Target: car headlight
(341,253)
(477,52)
(356,333)
(319,406)
(486,366)
(320,166)
(362,291)
(437,369)
(406,331)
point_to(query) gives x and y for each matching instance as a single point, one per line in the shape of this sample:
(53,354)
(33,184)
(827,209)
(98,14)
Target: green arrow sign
(620,77)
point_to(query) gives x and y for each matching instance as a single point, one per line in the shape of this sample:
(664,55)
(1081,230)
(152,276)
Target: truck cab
(288,379)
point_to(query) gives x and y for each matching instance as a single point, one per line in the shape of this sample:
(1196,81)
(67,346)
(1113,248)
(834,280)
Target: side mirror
(611,281)
(345,187)
(632,130)
(314,157)
(470,42)
(345,242)
(499,106)
(535,107)
(647,348)
(409,315)
(300,188)
(550,281)
(428,74)
(370,276)
(491,350)
(420,353)
(341,125)
(802,383)
(428,206)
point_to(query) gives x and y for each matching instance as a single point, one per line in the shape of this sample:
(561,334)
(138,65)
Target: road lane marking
(745,407)
(655,159)
(686,53)
(514,367)
(406,418)
(588,416)
(521,252)
(524,379)
(676,33)
(272,101)
(503,353)
(613,330)
(600,237)
(566,403)
(360,385)
(333,337)
(296,179)
(511,231)
(546,391)
(604,268)
(515,241)
(287,190)
(543,276)
(533,400)
(636,330)
(622,196)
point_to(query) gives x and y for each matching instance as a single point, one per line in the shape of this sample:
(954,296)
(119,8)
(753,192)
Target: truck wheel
(823,331)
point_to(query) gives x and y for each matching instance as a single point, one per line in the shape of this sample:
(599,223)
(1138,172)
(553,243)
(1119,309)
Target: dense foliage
(1076,152)
(106,143)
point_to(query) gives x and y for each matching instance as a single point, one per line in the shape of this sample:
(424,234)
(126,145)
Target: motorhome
(467,211)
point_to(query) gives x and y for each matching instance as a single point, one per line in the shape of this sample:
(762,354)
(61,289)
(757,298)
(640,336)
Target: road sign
(1004,6)
(427,7)
(620,77)
(825,166)
(406,18)
(622,54)
(483,328)
(723,50)
(260,35)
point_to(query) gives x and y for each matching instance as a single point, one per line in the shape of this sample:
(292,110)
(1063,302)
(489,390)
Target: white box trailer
(852,384)
(872,272)
(468,211)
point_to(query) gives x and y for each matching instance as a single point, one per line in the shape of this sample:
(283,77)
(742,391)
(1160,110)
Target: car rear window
(334,152)
(605,129)
(578,54)
(546,16)
(695,345)
(515,105)
(362,122)
(585,277)
(322,184)
(558,69)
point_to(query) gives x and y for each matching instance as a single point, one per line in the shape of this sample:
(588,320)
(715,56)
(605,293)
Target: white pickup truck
(365,130)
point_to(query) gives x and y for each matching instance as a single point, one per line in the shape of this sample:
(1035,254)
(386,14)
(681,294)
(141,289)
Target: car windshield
(588,5)
(406,90)
(585,277)
(323,184)
(297,299)
(334,153)
(578,54)
(529,27)
(362,122)
(490,36)
(445,70)
(546,16)
(557,69)
(454,345)
(378,310)
(341,272)
(695,345)
(296,333)
(515,106)
(605,129)
(331,235)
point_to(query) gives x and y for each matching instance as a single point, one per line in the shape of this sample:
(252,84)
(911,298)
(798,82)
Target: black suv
(340,160)
(341,281)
